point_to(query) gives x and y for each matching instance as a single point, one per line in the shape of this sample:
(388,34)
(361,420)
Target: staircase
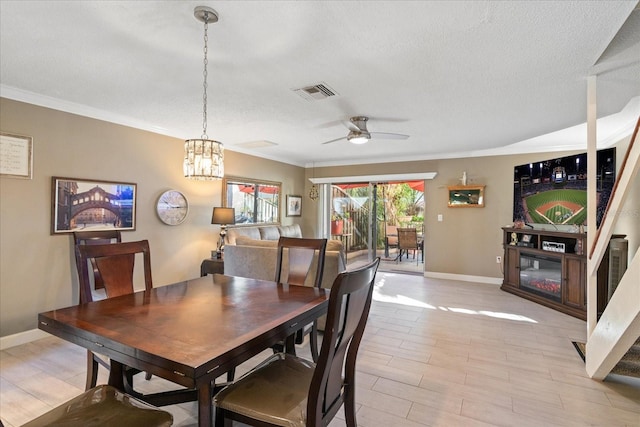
(612,340)
(629,365)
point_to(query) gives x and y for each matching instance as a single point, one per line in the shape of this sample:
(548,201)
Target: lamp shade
(223,216)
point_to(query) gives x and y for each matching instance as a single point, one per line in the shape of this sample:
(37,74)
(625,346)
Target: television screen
(555,191)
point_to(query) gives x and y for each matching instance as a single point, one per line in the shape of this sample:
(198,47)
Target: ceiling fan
(358,133)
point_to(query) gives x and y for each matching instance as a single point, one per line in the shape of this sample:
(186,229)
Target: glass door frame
(325,200)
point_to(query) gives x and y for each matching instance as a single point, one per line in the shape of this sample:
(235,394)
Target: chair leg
(92,371)
(220,420)
(313,341)
(350,409)
(147,376)
(231,373)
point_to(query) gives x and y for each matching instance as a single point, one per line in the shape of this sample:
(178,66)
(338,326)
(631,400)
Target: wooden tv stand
(547,267)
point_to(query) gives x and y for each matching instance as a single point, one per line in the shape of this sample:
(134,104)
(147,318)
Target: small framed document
(16,156)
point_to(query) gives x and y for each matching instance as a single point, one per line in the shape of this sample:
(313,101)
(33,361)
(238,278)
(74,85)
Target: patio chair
(390,238)
(407,241)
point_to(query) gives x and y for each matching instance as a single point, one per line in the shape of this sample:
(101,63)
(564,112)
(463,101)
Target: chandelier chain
(205,75)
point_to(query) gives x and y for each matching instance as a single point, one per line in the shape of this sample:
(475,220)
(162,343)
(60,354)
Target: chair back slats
(407,238)
(349,304)
(117,271)
(115,263)
(300,255)
(300,262)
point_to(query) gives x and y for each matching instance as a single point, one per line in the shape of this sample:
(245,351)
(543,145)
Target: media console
(547,267)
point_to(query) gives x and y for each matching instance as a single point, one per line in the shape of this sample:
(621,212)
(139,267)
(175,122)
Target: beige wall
(37,271)
(468,240)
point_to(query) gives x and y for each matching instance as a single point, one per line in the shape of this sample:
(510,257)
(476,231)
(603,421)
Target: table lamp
(224,217)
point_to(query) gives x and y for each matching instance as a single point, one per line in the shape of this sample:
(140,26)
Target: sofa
(252,252)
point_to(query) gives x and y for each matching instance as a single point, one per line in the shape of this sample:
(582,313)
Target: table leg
(116,372)
(205,405)
(290,345)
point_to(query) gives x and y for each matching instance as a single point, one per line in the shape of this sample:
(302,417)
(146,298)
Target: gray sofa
(252,252)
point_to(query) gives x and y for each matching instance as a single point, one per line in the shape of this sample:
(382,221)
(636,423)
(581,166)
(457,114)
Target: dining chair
(114,263)
(407,241)
(101,406)
(100,237)
(286,390)
(302,257)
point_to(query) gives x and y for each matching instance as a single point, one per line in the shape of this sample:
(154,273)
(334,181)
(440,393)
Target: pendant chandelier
(204,157)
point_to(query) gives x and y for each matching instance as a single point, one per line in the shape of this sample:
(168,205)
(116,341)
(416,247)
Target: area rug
(628,366)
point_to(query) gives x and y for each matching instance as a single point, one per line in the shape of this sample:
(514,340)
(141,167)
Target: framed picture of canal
(88,205)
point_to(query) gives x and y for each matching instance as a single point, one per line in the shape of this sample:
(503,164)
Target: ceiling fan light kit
(358,133)
(355,137)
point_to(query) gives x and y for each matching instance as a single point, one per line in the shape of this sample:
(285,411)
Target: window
(255,201)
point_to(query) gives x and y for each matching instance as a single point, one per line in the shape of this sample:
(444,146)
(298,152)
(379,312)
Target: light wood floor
(436,353)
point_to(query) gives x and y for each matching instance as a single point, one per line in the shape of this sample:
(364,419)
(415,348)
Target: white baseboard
(464,277)
(22,338)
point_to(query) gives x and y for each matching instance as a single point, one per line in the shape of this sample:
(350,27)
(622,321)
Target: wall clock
(172,207)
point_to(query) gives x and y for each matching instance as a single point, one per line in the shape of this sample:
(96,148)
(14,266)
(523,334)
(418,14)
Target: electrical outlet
(498,259)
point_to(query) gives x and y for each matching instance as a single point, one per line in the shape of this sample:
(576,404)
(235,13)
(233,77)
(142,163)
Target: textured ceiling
(461,78)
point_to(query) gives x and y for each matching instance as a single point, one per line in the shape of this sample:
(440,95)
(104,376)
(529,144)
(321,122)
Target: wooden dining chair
(286,390)
(407,241)
(104,406)
(114,263)
(302,257)
(101,237)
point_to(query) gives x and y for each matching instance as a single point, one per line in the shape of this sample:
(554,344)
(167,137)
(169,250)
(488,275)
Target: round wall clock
(172,207)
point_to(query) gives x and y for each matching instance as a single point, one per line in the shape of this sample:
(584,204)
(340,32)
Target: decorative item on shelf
(514,239)
(463,180)
(204,157)
(223,217)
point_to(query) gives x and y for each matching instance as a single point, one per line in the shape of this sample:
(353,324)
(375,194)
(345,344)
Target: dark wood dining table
(190,332)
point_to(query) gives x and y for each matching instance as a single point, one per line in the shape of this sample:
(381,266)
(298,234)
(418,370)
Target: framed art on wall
(16,156)
(90,205)
(466,196)
(294,205)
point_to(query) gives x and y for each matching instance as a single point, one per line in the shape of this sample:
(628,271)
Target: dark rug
(628,366)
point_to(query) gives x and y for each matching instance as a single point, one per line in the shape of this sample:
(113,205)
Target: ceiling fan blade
(334,140)
(385,135)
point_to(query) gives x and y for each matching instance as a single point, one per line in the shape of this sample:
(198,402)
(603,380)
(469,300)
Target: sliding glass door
(364,216)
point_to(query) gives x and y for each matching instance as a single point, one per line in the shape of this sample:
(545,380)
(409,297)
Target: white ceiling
(464,78)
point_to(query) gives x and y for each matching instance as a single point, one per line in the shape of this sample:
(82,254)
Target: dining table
(190,332)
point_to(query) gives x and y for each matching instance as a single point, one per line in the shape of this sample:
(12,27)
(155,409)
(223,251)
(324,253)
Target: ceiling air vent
(316,92)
